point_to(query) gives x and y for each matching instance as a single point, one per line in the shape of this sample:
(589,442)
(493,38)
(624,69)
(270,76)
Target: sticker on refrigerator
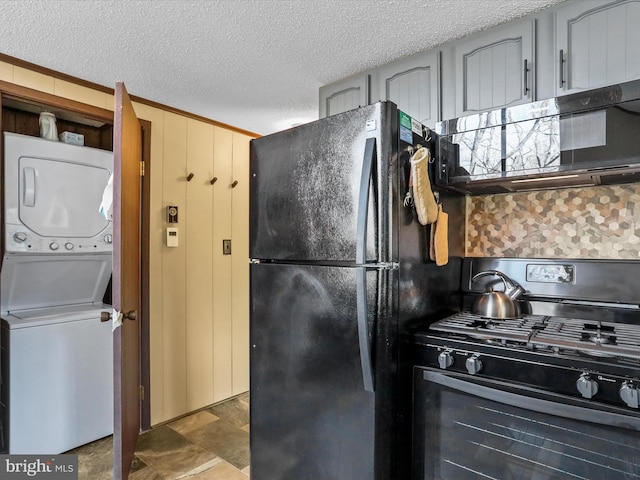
(406,134)
(416,127)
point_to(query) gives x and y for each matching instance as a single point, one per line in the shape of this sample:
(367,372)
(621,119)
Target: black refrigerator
(340,277)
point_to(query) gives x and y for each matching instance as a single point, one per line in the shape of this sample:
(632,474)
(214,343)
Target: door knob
(106,316)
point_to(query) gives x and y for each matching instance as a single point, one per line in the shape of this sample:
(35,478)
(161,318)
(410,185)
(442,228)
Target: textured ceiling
(254,64)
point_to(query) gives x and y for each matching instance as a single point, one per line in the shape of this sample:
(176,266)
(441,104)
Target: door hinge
(142,168)
(141,393)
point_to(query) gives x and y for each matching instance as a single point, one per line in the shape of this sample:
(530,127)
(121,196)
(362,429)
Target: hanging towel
(107,200)
(116,319)
(439,244)
(422,194)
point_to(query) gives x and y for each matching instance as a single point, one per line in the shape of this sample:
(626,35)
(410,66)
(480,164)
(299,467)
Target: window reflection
(525,147)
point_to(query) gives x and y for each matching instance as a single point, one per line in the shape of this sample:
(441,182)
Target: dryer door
(61,199)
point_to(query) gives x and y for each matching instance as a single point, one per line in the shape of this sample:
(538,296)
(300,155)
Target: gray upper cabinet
(598,44)
(495,69)
(347,94)
(412,84)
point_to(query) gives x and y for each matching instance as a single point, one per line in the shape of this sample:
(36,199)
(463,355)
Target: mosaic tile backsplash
(589,222)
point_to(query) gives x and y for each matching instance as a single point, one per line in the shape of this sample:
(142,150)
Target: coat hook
(213,180)
(189,177)
(233,185)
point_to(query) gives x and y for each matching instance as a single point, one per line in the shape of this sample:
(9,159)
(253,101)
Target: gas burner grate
(559,333)
(518,329)
(599,338)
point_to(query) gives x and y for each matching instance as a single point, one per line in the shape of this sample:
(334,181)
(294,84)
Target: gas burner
(483,322)
(598,338)
(599,334)
(596,353)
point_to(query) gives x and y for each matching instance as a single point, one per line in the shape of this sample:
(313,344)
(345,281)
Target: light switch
(226,247)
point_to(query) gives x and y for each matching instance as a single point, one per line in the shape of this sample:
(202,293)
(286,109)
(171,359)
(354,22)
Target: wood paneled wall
(199,303)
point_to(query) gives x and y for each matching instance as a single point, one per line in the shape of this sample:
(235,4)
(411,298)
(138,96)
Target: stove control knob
(473,364)
(445,360)
(629,394)
(587,386)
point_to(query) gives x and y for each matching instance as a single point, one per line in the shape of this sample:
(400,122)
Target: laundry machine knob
(68,246)
(54,246)
(20,237)
(587,386)
(108,238)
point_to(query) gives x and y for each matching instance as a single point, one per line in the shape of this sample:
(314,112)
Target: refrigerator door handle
(363,200)
(363,329)
(361,258)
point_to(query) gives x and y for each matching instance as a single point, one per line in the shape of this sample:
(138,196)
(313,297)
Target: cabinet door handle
(233,185)
(526,75)
(561,69)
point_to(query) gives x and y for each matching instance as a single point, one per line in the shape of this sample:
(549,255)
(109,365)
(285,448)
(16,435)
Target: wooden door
(127,148)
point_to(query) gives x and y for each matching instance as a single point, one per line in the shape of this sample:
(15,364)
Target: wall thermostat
(172,214)
(172,237)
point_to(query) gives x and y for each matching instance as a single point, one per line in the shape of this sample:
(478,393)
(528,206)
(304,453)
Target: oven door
(471,428)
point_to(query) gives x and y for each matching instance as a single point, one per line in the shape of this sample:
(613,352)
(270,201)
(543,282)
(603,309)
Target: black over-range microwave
(587,138)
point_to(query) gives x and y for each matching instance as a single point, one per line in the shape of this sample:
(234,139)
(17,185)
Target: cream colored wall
(240,265)
(199,305)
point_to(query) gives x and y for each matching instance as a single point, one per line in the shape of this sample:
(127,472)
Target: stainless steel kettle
(498,305)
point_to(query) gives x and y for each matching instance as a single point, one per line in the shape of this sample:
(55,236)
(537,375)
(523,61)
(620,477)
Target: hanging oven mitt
(439,244)
(422,195)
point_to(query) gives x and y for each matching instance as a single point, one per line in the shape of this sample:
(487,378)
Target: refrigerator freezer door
(306,188)
(311,416)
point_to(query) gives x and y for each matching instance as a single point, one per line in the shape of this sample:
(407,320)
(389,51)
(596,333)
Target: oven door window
(461,434)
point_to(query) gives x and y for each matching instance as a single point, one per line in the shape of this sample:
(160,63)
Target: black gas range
(555,391)
(589,359)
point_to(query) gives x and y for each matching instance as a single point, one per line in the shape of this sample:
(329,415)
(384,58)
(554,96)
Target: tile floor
(212,444)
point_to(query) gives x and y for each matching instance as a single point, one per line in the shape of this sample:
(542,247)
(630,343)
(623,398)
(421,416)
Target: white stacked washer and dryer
(57,356)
